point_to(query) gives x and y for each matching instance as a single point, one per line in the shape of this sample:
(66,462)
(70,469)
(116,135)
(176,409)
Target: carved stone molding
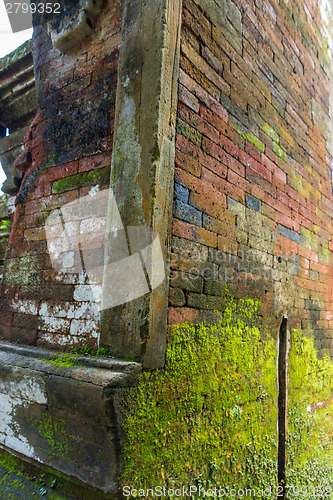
(76,23)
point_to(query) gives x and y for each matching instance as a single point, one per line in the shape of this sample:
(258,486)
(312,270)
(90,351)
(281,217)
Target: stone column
(142,169)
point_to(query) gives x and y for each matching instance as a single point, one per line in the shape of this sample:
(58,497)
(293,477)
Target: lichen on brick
(91,178)
(254,140)
(271,133)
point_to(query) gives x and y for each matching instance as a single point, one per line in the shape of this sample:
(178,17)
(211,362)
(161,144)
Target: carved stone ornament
(76,22)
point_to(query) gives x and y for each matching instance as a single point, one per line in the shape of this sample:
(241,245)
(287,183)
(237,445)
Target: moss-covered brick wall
(253,199)
(68,153)
(209,419)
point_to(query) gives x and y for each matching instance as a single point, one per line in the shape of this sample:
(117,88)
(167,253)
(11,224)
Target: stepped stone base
(66,417)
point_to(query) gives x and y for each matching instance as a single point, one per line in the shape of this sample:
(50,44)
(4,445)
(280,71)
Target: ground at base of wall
(21,479)
(14,484)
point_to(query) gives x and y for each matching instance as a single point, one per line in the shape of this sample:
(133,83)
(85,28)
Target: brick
(289,247)
(281,196)
(225,186)
(227,245)
(308,254)
(226,226)
(178,315)
(203,196)
(203,95)
(35,234)
(26,321)
(14,334)
(176,297)
(289,233)
(59,172)
(215,151)
(205,85)
(199,124)
(252,202)
(230,147)
(287,221)
(181,192)
(215,287)
(186,97)
(252,151)
(253,177)
(257,167)
(246,132)
(190,232)
(6,311)
(246,82)
(213,61)
(205,68)
(239,182)
(231,53)
(268,211)
(190,133)
(188,163)
(186,281)
(92,162)
(47,292)
(187,213)
(196,20)
(189,37)
(208,302)
(213,118)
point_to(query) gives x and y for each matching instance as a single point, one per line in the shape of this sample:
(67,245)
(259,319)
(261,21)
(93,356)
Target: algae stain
(271,133)
(53,431)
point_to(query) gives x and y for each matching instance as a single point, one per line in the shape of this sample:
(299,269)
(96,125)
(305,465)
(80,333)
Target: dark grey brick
(185,212)
(181,192)
(253,202)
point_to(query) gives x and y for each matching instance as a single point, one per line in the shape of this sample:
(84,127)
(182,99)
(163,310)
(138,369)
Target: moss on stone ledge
(17,54)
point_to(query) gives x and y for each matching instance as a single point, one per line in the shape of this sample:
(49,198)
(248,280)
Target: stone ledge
(67,418)
(14,57)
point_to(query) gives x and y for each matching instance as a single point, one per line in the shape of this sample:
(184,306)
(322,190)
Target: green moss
(211,414)
(44,475)
(4,206)
(310,240)
(325,256)
(14,56)
(49,163)
(87,350)
(233,123)
(65,360)
(279,151)
(254,140)
(23,271)
(271,133)
(53,431)
(70,359)
(310,418)
(98,176)
(8,462)
(325,51)
(209,418)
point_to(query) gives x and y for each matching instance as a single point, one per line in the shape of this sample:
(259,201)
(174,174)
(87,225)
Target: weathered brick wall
(253,192)
(70,143)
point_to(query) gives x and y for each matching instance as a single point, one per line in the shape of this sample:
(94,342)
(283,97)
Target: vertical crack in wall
(282,406)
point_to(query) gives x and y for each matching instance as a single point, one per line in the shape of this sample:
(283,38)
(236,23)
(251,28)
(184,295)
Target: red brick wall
(253,193)
(70,139)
